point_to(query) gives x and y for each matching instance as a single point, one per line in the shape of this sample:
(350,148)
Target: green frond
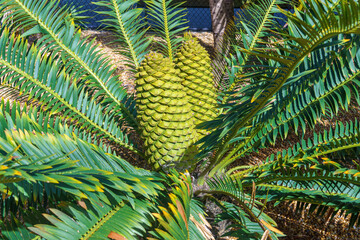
(179,216)
(41,148)
(56,145)
(43,80)
(174,216)
(311,172)
(14,229)
(304,173)
(167,19)
(53,145)
(339,202)
(228,186)
(124,18)
(311,180)
(243,226)
(92,221)
(325,82)
(64,174)
(126,219)
(28,181)
(336,140)
(331,86)
(19,116)
(230,124)
(77,168)
(245,213)
(309,154)
(251,25)
(79,58)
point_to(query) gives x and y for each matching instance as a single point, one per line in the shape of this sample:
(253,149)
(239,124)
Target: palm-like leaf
(317,94)
(249,221)
(96,221)
(15,115)
(79,58)
(99,186)
(125,18)
(289,52)
(179,216)
(14,229)
(42,78)
(64,173)
(304,173)
(167,18)
(253,23)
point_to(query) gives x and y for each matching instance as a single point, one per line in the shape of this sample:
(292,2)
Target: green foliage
(34,172)
(178,217)
(69,120)
(128,25)
(248,32)
(167,19)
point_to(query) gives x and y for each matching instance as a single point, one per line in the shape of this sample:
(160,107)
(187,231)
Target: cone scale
(194,65)
(164,113)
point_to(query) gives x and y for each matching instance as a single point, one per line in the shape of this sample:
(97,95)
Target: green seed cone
(163,111)
(194,65)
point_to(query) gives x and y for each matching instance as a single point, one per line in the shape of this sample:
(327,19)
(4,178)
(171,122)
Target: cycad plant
(69,126)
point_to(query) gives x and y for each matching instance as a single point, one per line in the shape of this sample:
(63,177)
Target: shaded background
(198,13)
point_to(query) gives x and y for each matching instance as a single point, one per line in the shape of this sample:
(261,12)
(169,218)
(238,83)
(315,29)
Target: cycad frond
(310,152)
(303,173)
(64,174)
(38,147)
(92,220)
(320,201)
(324,83)
(252,23)
(56,145)
(285,60)
(330,85)
(125,19)
(321,182)
(28,181)
(110,194)
(79,58)
(309,172)
(82,161)
(179,216)
(174,216)
(243,225)
(14,229)
(41,78)
(245,213)
(167,18)
(339,201)
(20,116)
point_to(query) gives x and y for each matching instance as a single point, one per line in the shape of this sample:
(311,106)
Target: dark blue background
(199,18)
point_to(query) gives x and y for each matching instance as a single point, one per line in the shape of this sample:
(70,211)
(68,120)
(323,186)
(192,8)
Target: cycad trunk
(222,11)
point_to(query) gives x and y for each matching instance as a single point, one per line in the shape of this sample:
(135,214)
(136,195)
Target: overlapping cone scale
(163,111)
(194,65)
